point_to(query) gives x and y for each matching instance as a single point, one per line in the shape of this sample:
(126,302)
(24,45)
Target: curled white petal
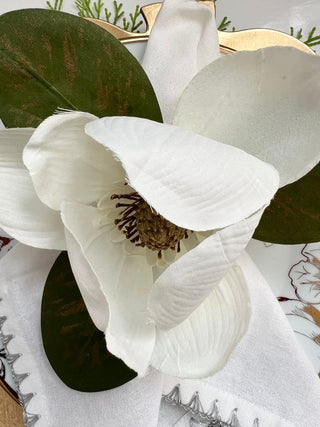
(66,164)
(192,181)
(125,281)
(22,214)
(202,344)
(266,102)
(88,284)
(182,287)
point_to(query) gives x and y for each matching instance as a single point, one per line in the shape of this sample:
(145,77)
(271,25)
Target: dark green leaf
(75,348)
(294,214)
(52,59)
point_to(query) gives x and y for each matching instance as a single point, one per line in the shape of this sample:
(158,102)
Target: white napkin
(268,376)
(23,272)
(181,26)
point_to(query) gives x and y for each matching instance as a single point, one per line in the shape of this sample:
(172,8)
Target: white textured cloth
(182,26)
(267,377)
(23,272)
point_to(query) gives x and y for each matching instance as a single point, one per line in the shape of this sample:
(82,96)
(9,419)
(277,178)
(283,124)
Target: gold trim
(252,39)
(258,38)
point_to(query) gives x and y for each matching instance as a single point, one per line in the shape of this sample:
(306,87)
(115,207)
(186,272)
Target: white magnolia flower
(266,102)
(178,195)
(184,313)
(164,287)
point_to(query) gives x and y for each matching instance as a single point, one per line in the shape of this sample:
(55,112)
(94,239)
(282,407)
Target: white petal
(65,164)
(125,281)
(194,182)
(183,40)
(169,255)
(151,257)
(22,215)
(88,284)
(266,102)
(187,282)
(193,240)
(201,345)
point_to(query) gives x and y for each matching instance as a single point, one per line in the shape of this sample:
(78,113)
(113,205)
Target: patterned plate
(6,380)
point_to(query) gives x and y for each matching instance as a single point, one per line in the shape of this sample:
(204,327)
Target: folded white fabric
(23,272)
(181,26)
(268,377)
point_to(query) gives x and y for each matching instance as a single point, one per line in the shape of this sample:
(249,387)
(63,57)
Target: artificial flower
(173,194)
(266,102)
(163,287)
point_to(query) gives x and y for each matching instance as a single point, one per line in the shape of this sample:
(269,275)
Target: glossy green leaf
(52,59)
(76,349)
(294,214)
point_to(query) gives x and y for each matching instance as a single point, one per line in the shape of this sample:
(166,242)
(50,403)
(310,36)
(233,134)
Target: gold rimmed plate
(251,39)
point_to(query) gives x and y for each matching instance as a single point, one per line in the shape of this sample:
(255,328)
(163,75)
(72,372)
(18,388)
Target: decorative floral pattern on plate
(305,275)
(293,273)
(304,311)
(6,243)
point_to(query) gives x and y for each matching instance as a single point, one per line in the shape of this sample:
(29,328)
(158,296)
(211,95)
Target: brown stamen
(144,227)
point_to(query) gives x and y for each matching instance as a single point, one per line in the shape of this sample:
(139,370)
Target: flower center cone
(144,227)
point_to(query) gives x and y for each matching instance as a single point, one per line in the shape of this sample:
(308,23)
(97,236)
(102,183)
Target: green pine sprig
(134,23)
(89,9)
(57,5)
(312,39)
(118,13)
(225,24)
(96,9)
(86,9)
